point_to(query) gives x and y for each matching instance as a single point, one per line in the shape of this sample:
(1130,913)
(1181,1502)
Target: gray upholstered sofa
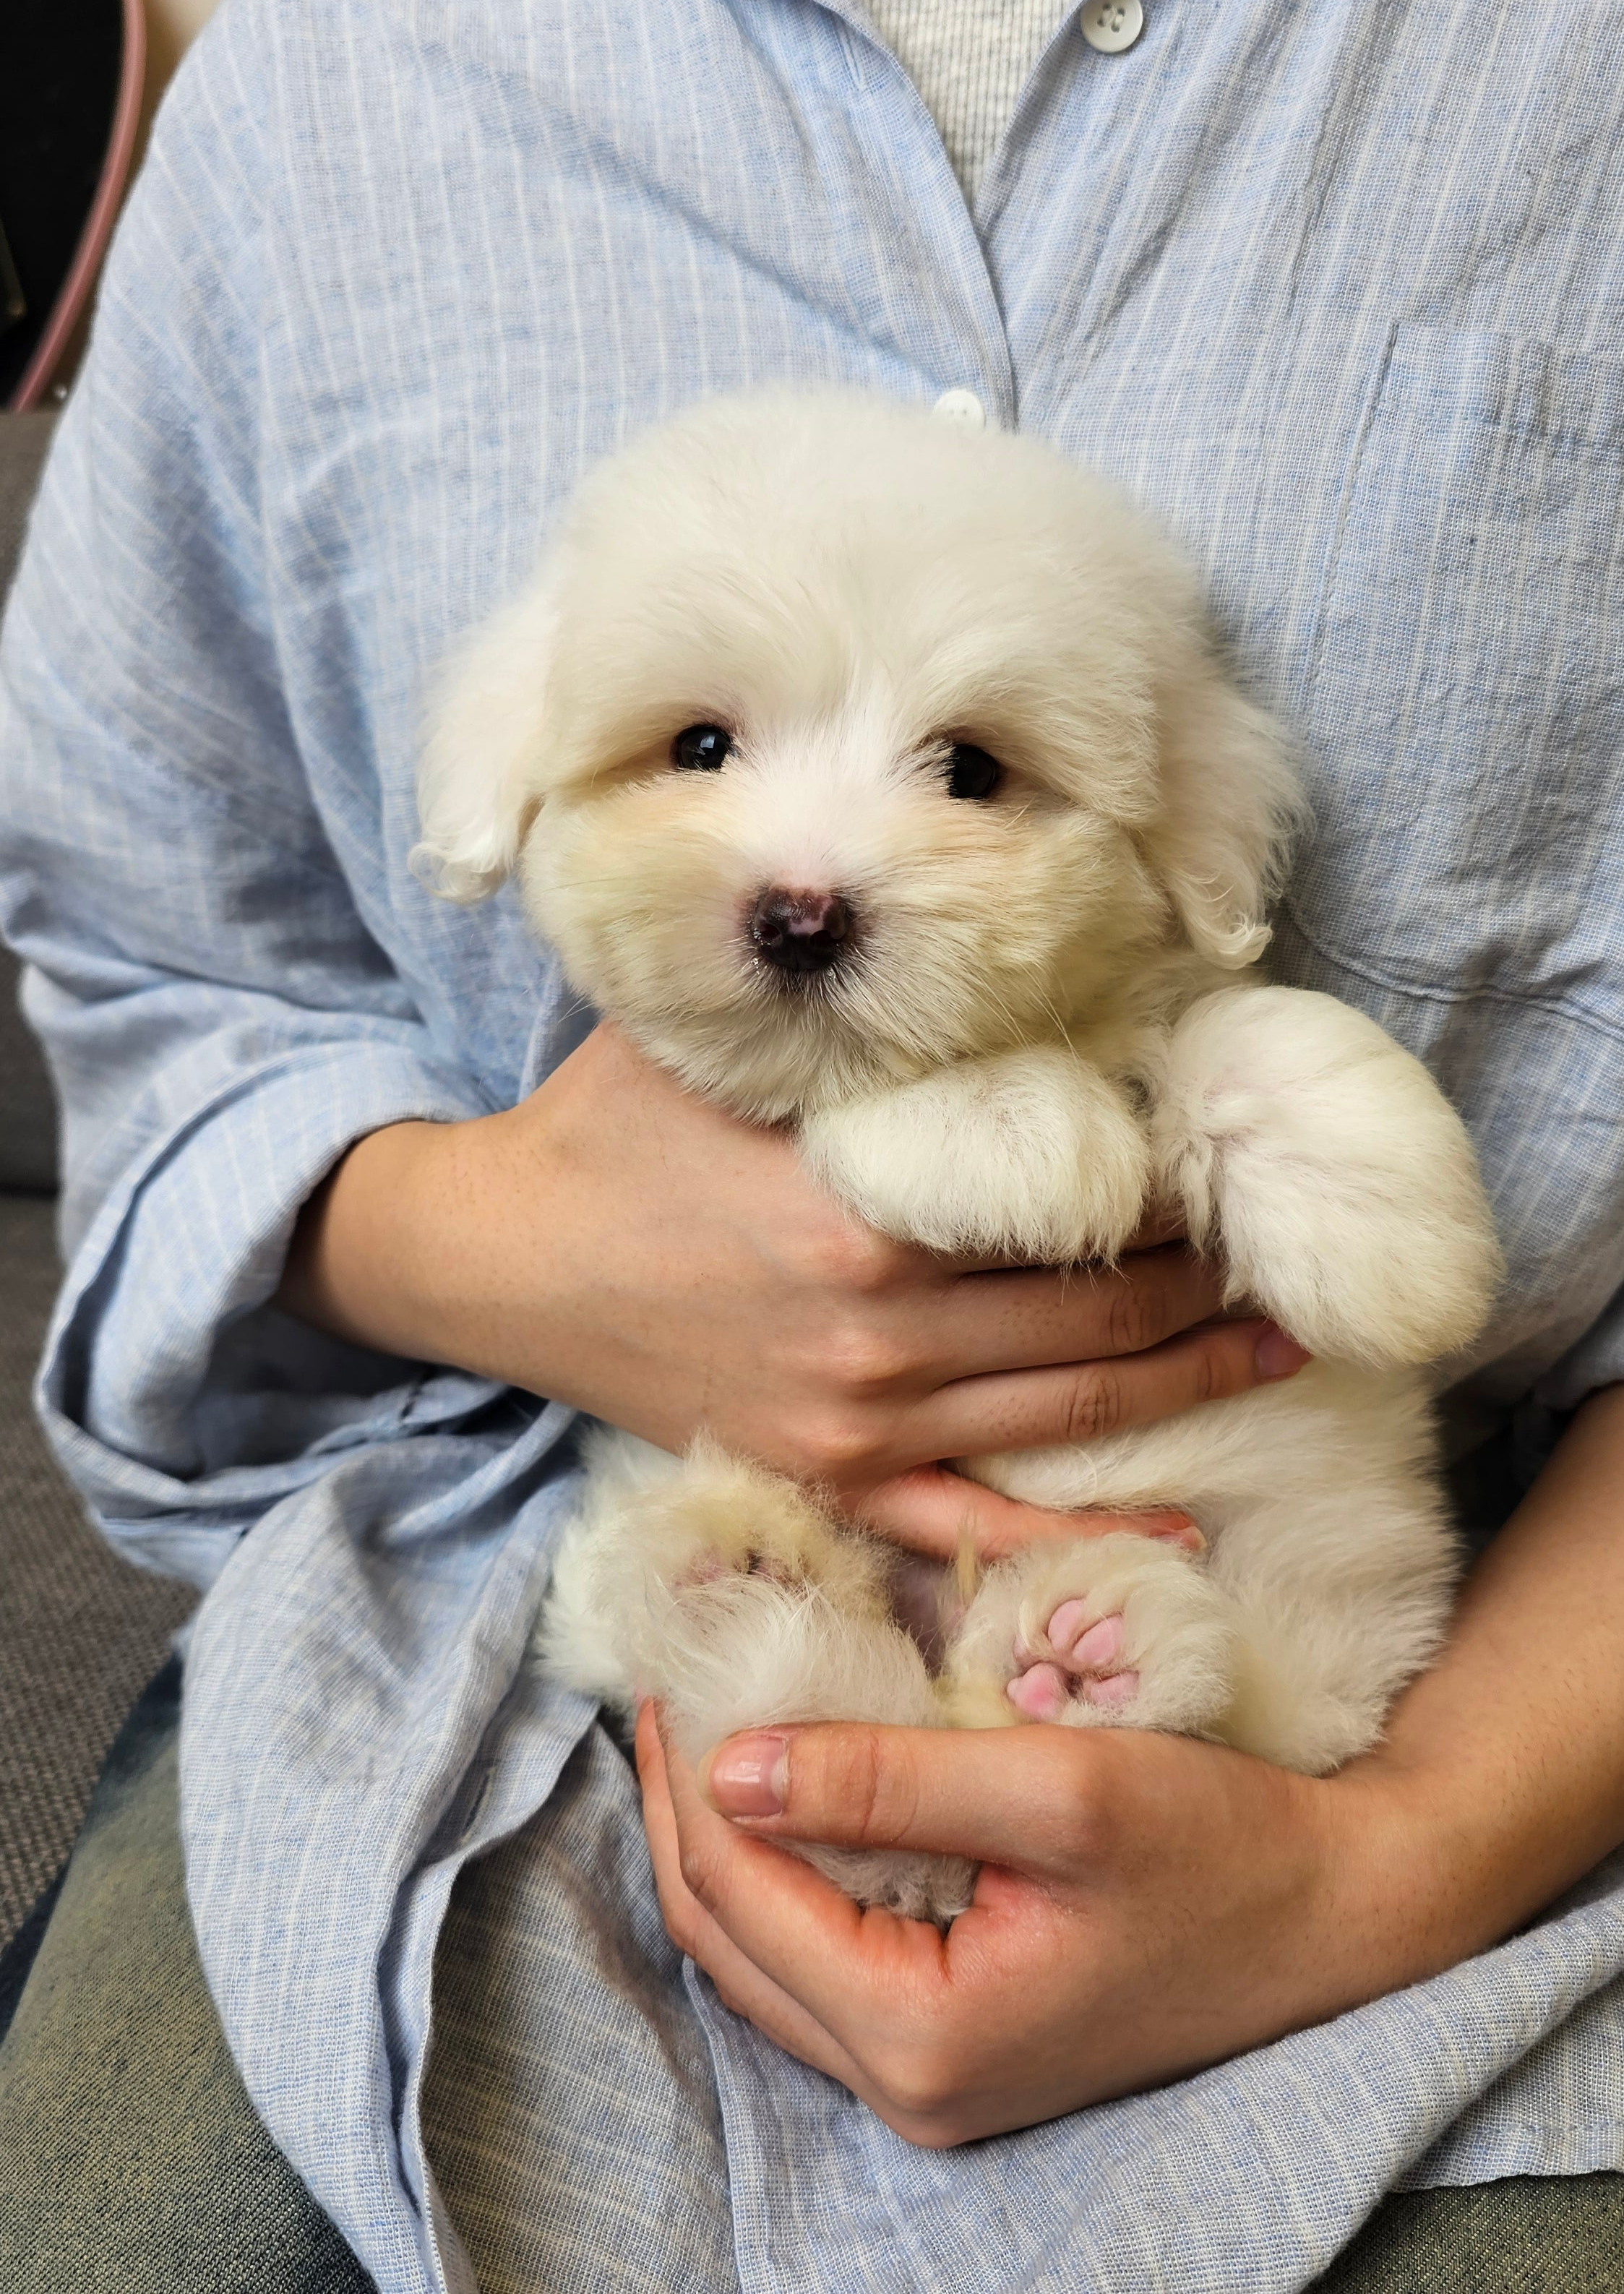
(80,1632)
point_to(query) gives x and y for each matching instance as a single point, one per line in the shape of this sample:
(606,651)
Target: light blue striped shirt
(1338,290)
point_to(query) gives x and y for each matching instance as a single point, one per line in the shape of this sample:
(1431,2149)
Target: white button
(1112,25)
(963,407)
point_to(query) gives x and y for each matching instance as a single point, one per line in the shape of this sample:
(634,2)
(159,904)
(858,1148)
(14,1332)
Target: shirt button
(1112,25)
(963,407)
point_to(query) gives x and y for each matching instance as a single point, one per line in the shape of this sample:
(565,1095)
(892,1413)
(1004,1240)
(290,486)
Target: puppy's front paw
(1034,1155)
(1340,1182)
(1115,1632)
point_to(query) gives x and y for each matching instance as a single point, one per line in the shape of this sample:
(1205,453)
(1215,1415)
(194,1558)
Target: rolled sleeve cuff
(179,1401)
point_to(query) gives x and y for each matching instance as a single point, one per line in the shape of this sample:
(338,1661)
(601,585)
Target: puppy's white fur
(1048,1017)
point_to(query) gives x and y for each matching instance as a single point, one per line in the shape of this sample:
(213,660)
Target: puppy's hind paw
(1083,1661)
(915,1886)
(1117,1632)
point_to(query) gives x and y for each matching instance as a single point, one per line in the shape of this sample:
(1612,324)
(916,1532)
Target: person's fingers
(863,1977)
(1041,1317)
(887,1981)
(935,1511)
(742,1986)
(1024,1797)
(1033,1409)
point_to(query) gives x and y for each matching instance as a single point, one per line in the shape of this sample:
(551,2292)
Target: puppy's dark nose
(800,931)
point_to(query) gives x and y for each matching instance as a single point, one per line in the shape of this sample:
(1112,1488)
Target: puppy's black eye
(971,772)
(701,749)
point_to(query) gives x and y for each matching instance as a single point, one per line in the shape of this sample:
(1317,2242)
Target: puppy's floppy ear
(480,780)
(1230,806)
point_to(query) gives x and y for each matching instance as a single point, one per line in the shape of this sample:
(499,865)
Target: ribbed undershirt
(969,60)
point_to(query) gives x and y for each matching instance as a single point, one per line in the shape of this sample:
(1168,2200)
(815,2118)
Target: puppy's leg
(1292,1706)
(1035,1154)
(728,1594)
(1289,1641)
(659,1538)
(1337,1178)
(1342,1591)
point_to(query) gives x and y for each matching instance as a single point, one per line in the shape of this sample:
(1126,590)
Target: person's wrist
(369,1253)
(1407,1879)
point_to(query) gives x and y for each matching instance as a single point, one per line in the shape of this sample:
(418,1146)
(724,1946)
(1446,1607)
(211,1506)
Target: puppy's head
(833,743)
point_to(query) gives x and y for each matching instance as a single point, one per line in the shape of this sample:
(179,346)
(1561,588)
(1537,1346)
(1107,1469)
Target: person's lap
(569,2109)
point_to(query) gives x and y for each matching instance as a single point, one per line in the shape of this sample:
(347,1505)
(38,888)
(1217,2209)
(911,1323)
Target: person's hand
(1148,1905)
(616,1243)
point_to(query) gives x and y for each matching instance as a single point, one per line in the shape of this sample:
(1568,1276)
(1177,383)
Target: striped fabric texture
(969,60)
(1339,291)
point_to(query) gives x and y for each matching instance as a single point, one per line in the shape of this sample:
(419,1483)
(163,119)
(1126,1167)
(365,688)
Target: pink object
(1063,1627)
(1038,1694)
(749,1775)
(1083,1647)
(77,287)
(1099,1647)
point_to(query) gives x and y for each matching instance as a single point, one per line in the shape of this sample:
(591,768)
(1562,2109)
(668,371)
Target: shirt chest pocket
(1465,714)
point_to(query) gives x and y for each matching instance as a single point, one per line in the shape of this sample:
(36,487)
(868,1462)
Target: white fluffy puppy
(881,779)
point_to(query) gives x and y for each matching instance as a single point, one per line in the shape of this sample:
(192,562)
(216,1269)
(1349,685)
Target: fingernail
(748,1776)
(1279,1356)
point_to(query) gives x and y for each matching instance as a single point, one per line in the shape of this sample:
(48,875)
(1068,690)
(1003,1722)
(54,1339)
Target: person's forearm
(1508,1755)
(393,1250)
(616,1243)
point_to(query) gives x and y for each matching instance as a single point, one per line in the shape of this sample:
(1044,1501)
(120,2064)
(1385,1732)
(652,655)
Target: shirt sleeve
(1596,1361)
(219,1021)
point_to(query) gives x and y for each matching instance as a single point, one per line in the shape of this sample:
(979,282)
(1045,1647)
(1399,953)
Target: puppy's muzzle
(798,932)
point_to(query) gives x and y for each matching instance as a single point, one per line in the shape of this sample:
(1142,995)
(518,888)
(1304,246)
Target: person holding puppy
(386,290)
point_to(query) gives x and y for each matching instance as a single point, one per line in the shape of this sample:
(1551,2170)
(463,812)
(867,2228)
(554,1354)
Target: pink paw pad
(1083,1647)
(1084,1664)
(1039,1692)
